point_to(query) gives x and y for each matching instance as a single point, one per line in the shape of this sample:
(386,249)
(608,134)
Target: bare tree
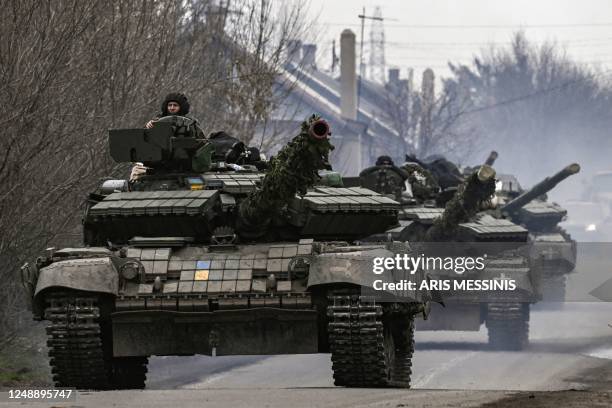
(69,70)
(535,106)
(427,122)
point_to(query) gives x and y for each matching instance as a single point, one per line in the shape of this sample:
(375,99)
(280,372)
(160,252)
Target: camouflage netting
(291,172)
(471,196)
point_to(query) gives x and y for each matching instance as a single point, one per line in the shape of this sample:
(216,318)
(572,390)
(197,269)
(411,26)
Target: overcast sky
(427,33)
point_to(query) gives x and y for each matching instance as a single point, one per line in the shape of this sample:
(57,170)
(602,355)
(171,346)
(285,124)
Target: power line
(586,41)
(533,94)
(478,26)
(417,45)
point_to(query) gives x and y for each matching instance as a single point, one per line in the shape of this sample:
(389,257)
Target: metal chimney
(393,76)
(294,50)
(309,52)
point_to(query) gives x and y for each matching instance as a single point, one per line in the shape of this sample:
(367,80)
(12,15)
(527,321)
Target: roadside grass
(23,359)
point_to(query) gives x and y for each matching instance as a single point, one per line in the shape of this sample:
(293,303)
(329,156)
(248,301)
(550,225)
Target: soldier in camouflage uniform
(174,104)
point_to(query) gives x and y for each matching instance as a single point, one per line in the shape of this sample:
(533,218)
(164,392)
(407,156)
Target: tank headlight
(130,270)
(298,267)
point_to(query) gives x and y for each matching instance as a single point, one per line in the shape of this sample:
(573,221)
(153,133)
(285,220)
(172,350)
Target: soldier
(384,177)
(384,161)
(174,103)
(420,183)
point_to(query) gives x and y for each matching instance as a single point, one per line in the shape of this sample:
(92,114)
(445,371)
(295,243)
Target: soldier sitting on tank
(420,184)
(384,177)
(384,161)
(174,104)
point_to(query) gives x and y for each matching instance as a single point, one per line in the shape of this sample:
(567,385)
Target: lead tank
(206,254)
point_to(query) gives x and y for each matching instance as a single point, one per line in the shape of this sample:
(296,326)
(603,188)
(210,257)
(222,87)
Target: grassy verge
(23,360)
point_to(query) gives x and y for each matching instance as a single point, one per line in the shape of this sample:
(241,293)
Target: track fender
(90,274)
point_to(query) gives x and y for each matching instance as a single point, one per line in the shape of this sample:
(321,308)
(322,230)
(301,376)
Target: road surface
(563,342)
(569,346)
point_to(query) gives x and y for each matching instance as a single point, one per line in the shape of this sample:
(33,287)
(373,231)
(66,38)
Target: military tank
(206,254)
(504,313)
(430,212)
(553,251)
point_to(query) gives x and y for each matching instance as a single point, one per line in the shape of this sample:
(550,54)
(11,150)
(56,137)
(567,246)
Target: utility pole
(335,59)
(216,19)
(363,17)
(376,66)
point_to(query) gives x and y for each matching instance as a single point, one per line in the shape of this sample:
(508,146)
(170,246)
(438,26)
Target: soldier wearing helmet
(174,103)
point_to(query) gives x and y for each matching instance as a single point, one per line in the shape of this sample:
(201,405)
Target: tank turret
(539,189)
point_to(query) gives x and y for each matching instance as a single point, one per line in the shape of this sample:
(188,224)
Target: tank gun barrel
(542,187)
(478,188)
(293,170)
(491,159)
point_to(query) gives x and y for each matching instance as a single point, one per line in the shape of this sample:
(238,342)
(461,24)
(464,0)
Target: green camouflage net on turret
(291,172)
(471,195)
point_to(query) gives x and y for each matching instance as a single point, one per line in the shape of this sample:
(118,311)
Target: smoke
(539,109)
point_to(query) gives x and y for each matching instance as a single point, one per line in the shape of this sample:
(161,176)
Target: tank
(455,215)
(216,252)
(552,249)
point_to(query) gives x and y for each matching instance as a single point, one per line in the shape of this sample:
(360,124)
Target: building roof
(320,92)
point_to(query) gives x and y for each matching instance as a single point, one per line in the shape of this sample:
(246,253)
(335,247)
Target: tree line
(532,102)
(71,69)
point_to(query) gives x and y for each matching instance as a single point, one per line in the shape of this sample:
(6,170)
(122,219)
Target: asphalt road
(564,340)
(450,368)
(563,343)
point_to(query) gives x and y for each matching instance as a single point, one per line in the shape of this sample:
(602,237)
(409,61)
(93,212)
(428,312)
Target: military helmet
(384,160)
(179,98)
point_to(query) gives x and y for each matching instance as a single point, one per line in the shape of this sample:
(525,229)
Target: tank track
(553,287)
(365,352)
(508,325)
(79,347)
